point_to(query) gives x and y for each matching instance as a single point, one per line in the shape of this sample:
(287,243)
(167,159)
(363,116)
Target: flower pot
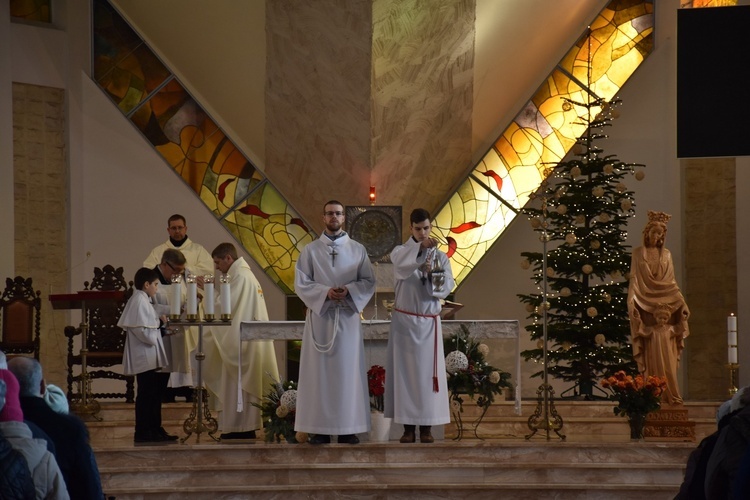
(381,427)
(637,422)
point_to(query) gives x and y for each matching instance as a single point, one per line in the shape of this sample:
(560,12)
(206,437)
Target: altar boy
(144,355)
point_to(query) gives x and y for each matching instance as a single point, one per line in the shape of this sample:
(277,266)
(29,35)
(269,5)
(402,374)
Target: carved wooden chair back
(20,312)
(105,340)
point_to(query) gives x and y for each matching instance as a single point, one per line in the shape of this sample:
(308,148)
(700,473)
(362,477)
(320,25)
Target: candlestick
(208,297)
(225,298)
(175,301)
(192,298)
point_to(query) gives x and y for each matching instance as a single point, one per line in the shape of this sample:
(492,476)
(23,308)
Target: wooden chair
(20,311)
(106,341)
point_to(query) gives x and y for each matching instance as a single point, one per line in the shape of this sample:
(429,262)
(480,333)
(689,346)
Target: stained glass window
(31,10)
(497,189)
(191,143)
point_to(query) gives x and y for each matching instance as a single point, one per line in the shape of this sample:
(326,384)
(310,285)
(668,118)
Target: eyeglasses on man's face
(332,214)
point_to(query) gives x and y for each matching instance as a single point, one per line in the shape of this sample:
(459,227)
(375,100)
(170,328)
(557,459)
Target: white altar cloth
(377,330)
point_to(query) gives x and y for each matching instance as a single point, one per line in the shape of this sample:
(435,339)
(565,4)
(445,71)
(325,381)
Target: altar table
(376,333)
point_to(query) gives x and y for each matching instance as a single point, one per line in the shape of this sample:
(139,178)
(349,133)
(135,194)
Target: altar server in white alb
(416,391)
(335,281)
(236,389)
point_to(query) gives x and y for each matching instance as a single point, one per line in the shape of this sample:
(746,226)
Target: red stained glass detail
(299,222)
(451,247)
(254,210)
(223,189)
(465,227)
(498,179)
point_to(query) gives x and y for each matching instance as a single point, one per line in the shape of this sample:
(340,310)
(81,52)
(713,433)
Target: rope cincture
(435,386)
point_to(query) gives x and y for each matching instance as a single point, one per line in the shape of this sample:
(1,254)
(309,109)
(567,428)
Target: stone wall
(40,178)
(710,258)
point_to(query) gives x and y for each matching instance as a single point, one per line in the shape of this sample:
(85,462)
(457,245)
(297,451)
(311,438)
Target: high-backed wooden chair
(105,340)
(20,310)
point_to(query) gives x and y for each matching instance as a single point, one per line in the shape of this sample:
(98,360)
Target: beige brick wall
(710,258)
(40,178)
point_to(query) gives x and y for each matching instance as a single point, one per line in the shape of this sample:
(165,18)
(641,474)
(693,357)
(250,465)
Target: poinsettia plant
(376,386)
(635,395)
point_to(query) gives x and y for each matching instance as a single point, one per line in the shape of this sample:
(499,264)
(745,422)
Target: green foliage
(278,422)
(479,379)
(584,212)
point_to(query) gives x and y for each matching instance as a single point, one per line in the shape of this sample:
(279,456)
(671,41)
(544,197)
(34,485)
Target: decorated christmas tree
(581,213)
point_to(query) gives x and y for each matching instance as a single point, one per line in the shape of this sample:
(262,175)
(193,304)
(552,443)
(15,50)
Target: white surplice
(415,348)
(332,396)
(221,345)
(144,349)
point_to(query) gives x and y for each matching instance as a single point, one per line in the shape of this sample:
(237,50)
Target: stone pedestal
(670,423)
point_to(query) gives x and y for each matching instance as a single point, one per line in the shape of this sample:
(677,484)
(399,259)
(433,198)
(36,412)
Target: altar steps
(597,460)
(392,470)
(582,420)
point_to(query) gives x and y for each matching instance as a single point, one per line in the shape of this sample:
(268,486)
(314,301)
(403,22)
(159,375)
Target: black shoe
(167,436)
(143,438)
(348,439)
(238,435)
(320,439)
(149,437)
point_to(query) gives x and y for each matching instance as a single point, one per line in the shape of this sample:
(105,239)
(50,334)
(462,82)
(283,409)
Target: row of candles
(732,339)
(191,283)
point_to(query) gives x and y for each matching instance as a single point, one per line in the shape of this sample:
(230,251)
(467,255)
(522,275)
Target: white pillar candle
(175,300)
(225,296)
(192,296)
(732,354)
(208,294)
(732,322)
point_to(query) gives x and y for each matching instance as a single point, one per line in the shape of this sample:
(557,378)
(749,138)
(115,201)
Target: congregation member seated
(74,454)
(46,476)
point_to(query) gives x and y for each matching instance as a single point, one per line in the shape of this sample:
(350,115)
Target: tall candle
(732,354)
(192,295)
(175,301)
(224,296)
(208,294)
(732,322)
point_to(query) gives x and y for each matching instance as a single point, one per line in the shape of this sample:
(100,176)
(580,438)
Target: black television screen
(713,82)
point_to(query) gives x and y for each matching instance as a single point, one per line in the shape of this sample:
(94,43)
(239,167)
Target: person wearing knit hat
(11,412)
(55,398)
(45,472)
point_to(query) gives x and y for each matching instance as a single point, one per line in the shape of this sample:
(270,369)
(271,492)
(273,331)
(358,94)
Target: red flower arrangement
(635,395)
(376,386)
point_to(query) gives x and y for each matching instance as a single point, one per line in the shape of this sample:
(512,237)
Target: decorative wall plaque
(377,228)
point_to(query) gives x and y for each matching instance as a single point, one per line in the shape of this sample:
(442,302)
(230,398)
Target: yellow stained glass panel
(543,132)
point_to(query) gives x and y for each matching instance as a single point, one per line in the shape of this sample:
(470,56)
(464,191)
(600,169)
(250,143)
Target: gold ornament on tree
(570,238)
(592,312)
(562,209)
(587,269)
(621,187)
(525,264)
(600,339)
(595,244)
(640,175)
(575,172)
(565,292)
(598,191)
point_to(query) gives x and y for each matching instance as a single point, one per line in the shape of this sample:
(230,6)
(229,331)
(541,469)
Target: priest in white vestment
(335,280)
(179,371)
(416,389)
(198,262)
(238,418)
